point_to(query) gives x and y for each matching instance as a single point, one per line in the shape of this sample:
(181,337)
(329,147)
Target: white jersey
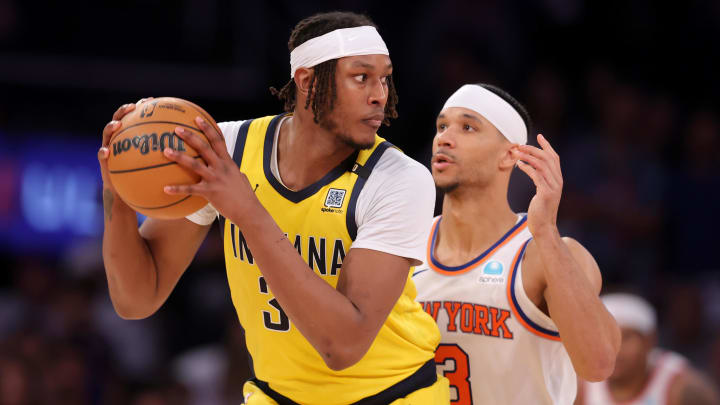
(387,219)
(497,347)
(664,368)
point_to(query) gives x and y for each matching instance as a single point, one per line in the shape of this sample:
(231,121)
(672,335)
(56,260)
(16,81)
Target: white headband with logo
(336,44)
(494,108)
(631,311)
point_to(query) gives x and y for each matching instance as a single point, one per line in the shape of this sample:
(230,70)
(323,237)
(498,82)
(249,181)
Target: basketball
(138,168)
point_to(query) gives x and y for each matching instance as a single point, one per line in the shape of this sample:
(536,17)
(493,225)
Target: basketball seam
(162,206)
(154,122)
(147,167)
(205,115)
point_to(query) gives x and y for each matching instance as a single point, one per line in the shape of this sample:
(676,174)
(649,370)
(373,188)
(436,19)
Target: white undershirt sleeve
(207,214)
(395,208)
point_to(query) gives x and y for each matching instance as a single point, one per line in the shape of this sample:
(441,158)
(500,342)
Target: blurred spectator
(15,381)
(645,374)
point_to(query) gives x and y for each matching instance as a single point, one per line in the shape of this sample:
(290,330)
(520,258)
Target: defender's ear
(507,162)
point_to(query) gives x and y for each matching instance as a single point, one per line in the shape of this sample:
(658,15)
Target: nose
(378,93)
(445,139)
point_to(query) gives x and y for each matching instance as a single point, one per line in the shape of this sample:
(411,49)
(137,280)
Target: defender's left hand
(543,167)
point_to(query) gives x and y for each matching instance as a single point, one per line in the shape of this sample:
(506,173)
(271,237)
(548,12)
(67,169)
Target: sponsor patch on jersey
(491,279)
(493,267)
(335,198)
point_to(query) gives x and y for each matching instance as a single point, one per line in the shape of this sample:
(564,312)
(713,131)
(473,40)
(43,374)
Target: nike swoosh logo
(418,272)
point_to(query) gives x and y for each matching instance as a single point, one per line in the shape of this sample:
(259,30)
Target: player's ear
(507,162)
(303,78)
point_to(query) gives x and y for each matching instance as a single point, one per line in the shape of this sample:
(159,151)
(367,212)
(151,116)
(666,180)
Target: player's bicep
(172,244)
(587,263)
(396,219)
(373,281)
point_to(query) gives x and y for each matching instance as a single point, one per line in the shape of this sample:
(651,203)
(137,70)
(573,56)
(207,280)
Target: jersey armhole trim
(363,173)
(515,305)
(237,157)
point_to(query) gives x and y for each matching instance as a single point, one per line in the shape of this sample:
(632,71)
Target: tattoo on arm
(108,199)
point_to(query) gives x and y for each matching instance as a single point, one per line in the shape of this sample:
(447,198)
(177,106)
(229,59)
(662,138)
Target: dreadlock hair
(323,88)
(514,103)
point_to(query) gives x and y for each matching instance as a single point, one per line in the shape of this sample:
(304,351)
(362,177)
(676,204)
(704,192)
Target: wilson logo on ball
(139,170)
(147,142)
(148,110)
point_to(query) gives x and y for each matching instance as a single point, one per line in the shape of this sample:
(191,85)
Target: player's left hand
(221,182)
(543,167)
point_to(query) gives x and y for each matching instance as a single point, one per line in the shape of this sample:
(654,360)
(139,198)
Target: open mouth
(441,161)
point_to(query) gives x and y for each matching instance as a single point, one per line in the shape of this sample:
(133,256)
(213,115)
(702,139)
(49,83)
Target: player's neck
(472,221)
(307,152)
(629,388)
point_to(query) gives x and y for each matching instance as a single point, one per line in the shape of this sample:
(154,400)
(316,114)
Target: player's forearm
(332,324)
(588,331)
(129,266)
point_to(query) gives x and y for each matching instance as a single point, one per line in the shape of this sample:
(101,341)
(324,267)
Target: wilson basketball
(137,166)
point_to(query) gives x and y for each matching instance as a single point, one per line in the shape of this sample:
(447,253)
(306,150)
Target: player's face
(466,149)
(632,357)
(362,93)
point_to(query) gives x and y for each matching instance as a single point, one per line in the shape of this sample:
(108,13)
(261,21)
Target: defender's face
(362,93)
(466,149)
(632,356)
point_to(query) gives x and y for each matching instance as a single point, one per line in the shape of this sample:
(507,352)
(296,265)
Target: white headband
(631,312)
(494,108)
(336,44)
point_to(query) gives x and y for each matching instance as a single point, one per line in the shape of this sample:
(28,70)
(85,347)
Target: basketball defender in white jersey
(645,374)
(517,304)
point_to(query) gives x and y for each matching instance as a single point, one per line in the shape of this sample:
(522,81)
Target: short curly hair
(323,86)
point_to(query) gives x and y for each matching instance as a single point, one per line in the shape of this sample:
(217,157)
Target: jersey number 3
(283,324)
(457,370)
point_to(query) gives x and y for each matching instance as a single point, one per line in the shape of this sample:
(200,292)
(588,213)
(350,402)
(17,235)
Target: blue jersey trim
(298,196)
(517,304)
(363,173)
(237,157)
(475,260)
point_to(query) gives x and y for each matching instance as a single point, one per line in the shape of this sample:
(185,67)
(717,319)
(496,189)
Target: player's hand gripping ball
(138,168)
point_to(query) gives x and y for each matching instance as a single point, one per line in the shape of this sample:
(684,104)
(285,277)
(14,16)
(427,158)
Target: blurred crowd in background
(625,91)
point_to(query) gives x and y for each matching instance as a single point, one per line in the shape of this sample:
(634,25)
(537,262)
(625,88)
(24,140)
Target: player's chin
(363,139)
(440,173)
(444,183)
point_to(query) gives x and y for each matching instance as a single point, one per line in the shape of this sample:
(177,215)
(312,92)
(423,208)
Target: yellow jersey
(320,222)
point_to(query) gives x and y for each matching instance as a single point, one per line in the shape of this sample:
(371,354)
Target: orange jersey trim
(481,259)
(515,307)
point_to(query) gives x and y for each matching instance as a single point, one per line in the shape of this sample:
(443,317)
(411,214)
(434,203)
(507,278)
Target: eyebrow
(472,117)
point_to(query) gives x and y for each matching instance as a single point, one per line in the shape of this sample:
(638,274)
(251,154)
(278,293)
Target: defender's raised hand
(543,167)
(222,184)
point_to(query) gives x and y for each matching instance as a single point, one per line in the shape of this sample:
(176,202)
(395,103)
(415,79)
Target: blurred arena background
(626,91)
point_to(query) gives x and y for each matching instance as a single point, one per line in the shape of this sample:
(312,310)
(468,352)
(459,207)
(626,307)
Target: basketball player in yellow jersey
(315,187)
(517,304)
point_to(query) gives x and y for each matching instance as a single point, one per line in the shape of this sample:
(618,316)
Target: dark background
(625,91)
